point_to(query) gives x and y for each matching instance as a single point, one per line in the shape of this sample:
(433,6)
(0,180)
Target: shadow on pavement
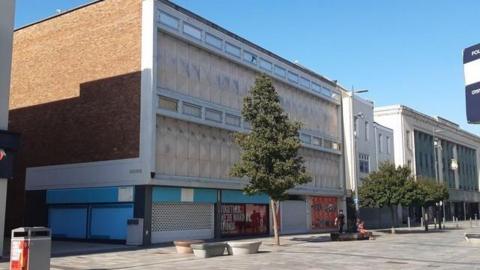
(388,231)
(314,239)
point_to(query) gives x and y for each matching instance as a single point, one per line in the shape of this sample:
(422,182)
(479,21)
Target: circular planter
(184,246)
(243,248)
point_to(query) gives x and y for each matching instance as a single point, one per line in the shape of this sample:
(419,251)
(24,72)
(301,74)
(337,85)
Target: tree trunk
(392,212)
(275,221)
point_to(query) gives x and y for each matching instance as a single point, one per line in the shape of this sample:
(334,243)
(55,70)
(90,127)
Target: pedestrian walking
(340,221)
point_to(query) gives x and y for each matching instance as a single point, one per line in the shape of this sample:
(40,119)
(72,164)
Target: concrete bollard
(456,222)
(408,222)
(421,222)
(435,222)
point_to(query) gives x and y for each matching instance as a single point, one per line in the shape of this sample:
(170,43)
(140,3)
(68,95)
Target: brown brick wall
(75,90)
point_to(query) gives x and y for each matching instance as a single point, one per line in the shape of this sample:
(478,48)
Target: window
(232,49)
(328,144)
(213,115)
(292,77)
(305,138)
(192,31)
(264,64)
(366,131)
(168,20)
(316,87)
(213,40)
(331,145)
(232,120)
(407,135)
(364,163)
(380,144)
(250,57)
(305,82)
(335,146)
(192,110)
(327,92)
(317,141)
(167,103)
(388,145)
(279,71)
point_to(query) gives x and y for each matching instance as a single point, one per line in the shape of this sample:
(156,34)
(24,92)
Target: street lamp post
(436,147)
(355,154)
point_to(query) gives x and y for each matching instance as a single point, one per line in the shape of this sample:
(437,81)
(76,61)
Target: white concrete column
(3,204)
(457,176)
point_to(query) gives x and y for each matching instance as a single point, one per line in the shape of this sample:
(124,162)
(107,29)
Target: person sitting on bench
(362,231)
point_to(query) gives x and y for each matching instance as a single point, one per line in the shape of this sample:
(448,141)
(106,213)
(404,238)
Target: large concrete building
(367,145)
(127,109)
(8,140)
(439,149)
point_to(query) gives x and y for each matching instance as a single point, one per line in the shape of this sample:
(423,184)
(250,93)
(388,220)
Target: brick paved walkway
(406,250)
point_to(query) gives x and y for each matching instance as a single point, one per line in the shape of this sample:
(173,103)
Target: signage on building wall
(471,67)
(324,211)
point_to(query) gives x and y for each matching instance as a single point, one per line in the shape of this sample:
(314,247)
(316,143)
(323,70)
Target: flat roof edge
(241,39)
(58,15)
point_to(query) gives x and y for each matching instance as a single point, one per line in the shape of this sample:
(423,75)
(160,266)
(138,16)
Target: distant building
(127,110)
(439,149)
(8,140)
(367,145)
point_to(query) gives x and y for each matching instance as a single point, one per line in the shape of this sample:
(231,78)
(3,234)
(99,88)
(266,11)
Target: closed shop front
(293,216)
(75,228)
(108,222)
(90,213)
(323,212)
(182,213)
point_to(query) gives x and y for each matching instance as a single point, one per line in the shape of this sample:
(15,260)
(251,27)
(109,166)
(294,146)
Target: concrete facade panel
(195,72)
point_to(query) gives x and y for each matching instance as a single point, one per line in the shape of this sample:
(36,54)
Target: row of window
(195,110)
(426,151)
(233,120)
(317,141)
(247,56)
(366,134)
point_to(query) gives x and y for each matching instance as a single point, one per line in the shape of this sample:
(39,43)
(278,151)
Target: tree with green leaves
(389,186)
(431,192)
(269,157)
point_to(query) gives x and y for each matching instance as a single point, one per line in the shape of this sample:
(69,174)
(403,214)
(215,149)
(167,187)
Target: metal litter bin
(30,248)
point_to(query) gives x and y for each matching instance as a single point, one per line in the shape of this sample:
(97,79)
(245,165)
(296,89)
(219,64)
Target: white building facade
(367,145)
(439,149)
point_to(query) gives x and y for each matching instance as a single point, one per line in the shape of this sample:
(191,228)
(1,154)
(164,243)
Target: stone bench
(472,237)
(243,247)
(184,246)
(349,236)
(207,250)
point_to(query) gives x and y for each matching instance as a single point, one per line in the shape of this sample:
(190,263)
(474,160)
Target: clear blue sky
(404,51)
